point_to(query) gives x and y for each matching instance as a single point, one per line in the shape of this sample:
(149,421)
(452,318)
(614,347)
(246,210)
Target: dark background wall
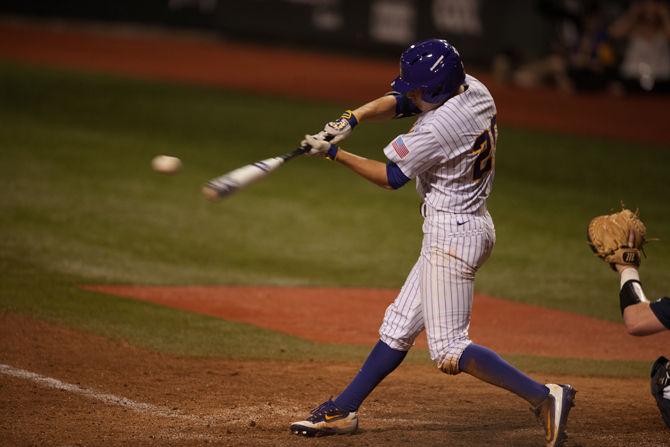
(479,28)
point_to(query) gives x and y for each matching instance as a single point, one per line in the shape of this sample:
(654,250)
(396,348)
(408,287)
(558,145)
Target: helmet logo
(437,62)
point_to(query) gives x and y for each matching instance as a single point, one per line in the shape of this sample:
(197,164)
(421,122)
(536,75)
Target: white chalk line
(238,415)
(139,407)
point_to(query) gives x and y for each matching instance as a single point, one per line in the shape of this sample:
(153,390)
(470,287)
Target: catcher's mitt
(660,380)
(617,238)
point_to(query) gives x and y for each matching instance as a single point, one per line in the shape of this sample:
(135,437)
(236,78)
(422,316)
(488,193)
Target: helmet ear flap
(430,96)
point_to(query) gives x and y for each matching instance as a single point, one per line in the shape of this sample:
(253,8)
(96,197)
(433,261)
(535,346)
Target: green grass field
(81,205)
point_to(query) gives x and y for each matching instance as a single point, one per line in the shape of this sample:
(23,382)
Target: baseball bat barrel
(230,182)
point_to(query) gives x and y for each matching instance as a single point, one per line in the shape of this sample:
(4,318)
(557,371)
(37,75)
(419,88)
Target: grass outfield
(80,205)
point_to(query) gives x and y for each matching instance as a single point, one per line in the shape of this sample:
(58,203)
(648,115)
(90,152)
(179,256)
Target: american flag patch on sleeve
(400,148)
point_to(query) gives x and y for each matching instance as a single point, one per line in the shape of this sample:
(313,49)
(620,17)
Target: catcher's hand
(617,238)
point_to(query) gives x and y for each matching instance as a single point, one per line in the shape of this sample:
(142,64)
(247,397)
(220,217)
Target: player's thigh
(457,257)
(447,283)
(447,287)
(403,319)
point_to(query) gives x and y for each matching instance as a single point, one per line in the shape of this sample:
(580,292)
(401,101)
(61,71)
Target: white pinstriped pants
(438,293)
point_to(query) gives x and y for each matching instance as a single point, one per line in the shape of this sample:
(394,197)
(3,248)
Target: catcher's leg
(660,387)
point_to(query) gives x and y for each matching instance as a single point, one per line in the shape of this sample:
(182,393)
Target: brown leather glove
(617,238)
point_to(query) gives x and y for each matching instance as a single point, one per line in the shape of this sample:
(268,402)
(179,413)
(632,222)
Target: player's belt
(426,211)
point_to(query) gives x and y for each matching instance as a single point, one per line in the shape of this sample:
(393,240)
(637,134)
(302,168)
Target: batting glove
(341,128)
(319,147)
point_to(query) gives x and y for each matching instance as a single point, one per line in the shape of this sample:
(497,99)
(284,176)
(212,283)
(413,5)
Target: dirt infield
(505,326)
(187,401)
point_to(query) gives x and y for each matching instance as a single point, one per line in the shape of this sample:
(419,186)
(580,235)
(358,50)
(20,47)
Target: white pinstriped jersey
(450,151)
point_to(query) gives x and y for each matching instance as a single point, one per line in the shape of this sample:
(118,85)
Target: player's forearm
(371,170)
(380,109)
(640,320)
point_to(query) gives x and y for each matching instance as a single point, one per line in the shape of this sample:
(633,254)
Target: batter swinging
(450,151)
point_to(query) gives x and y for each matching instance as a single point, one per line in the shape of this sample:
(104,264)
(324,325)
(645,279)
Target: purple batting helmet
(434,66)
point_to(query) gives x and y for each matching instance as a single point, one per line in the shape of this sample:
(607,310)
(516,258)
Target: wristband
(350,117)
(630,294)
(332,152)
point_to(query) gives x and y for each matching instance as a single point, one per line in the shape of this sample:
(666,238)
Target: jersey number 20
(484,149)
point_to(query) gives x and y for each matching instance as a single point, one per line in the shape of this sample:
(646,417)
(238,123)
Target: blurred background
(612,46)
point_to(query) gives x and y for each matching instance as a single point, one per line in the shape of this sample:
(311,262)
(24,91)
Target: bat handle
(301,150)
(295,153)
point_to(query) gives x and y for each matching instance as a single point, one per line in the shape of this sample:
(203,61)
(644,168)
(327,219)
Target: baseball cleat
(325,420)
(553,413)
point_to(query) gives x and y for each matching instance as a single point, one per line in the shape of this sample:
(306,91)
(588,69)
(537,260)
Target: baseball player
(644,318)
(639,315)
(618,239)
(450,152)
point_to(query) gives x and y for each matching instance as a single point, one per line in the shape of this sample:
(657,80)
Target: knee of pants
(448,360)
(397,343)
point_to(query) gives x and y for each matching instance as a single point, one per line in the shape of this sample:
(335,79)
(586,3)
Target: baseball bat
(230,182)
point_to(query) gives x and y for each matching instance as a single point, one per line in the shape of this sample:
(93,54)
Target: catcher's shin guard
(660,380)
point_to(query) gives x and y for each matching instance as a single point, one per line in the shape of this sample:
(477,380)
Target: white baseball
(166,164)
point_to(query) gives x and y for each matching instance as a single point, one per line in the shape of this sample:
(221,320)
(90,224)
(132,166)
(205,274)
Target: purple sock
(488,366)
(379,364)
